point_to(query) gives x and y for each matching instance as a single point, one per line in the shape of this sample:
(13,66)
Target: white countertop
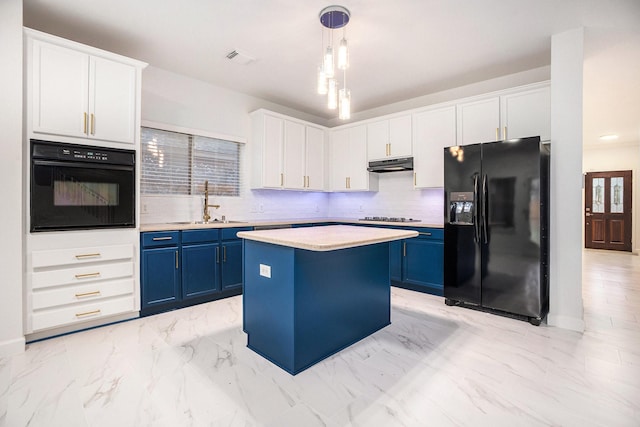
(169,226)
(327,238)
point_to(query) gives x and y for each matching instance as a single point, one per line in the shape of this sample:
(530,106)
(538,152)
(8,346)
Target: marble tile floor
(434,366)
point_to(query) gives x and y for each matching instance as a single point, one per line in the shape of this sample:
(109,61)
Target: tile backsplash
(396,197)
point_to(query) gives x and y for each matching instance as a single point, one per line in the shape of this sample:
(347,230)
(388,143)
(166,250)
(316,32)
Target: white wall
(11,338)
(565,297)
(615,158)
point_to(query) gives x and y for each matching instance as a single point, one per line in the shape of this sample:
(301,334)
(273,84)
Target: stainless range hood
(391,165)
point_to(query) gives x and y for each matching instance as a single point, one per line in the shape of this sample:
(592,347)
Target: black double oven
(80,187)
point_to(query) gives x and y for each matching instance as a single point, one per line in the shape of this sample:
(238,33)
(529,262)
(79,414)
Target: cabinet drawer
(53,258)
(200,236)
(81,312)
(160,238)
(430,233)
(81,293)
(230,233)
(77,275)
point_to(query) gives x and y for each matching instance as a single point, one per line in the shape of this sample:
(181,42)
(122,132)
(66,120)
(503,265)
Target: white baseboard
(566,322)
(12,347)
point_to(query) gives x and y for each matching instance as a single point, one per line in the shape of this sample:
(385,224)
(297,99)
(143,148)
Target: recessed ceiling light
(609,137)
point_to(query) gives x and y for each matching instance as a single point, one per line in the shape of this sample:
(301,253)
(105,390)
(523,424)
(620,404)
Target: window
(179,163)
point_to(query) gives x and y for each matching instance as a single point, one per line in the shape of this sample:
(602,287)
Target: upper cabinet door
(272,176)
(112,100)
(400,136)
(314,161)
(339,159)
(479,121)
(389,138)
(433,130)
(60,81)
(294,158)
(357,159)
(527,113)
(378,140)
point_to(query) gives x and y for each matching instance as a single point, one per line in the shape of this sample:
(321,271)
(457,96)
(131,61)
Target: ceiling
(398,49)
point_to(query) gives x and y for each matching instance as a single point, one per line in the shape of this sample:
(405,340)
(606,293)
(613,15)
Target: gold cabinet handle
(88,294)
(93,124)
(88,313)
(504,134)
(415,179)
(281,179)
(497,134)
(404,249)
(82,256)
(177,265)
(224,254)
(155,239)
(87,275)
(84,126)
(424,234)
(217,254)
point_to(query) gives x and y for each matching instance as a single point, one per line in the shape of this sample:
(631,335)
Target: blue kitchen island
(310,292)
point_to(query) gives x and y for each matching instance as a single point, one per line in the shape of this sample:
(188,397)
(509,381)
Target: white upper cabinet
(349,161)
(314,161)
(479,121)
(293,171)
(512,114)
(80,95)
(526,113)
(389,138)
(433,130)
(287,153)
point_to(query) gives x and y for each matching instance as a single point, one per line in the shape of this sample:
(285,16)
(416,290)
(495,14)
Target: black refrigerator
(496,227)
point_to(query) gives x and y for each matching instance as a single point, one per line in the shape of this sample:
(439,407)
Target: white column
(565,298)
(11,213)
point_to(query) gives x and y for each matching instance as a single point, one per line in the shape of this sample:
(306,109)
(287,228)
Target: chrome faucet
(205,214)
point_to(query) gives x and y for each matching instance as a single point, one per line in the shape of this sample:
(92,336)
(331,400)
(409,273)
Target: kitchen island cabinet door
(395,260)
(231,270)
(200,264)
(160,276)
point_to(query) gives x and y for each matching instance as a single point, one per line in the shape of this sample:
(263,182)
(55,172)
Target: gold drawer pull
(88,313)
(88,294)
(82,256)
(155,239)
(87,275)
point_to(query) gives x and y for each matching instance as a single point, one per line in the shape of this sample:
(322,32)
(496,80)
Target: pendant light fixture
(334,18)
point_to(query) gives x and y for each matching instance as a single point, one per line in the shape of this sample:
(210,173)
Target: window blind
(178,163)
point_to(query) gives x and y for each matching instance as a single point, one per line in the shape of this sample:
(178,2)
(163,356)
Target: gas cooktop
(388,219)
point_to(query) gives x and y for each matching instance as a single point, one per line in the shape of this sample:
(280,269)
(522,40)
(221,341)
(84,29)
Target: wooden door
(608,210)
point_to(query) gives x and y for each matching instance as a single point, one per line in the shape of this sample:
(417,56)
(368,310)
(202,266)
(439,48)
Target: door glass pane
(598,196)
(617,191)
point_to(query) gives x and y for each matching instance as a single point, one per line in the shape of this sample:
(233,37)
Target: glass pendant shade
(328,62)
(343,55)
(322,81)
(344,110)
(332,95)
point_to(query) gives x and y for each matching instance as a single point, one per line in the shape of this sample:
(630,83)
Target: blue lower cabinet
(418,263)
(160,276)
(395,260)
(200,269)
(231,266)
(183,268)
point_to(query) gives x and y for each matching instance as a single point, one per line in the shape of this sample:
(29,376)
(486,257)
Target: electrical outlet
(265,271)
(261,207)
(144,208)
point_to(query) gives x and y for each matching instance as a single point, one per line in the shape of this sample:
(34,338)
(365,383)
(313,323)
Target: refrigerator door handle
(485,213)
(476,223)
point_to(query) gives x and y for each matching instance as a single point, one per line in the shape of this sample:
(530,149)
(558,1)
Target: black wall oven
(75,187)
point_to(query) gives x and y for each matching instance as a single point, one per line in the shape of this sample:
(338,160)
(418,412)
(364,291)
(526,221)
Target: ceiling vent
(238,57)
